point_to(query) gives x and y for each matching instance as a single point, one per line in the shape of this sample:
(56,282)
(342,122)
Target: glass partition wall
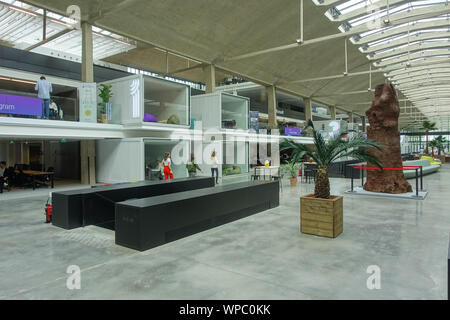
(166,102)
(154,154)
(63,100)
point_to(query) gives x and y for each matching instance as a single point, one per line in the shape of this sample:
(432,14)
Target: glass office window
(235,112)
(235,158)
(166,102)
(63,99)
(154,154)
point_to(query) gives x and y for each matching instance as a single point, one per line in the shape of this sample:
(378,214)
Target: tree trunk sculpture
(383,119)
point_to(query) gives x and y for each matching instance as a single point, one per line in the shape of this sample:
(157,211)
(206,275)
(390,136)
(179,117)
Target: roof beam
(401,19)
(410,48)
(412,56)
(47,40)
(418,67)
(351,74)
(388,32)
(428,61)
(405,40)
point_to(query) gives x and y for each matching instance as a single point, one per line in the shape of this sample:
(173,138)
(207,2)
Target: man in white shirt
(44,88)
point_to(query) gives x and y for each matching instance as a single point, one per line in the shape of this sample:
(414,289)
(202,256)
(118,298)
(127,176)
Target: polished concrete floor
(260,257)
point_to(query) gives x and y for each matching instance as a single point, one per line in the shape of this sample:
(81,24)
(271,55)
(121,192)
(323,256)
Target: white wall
(128,101)
(207,108)
(120,160)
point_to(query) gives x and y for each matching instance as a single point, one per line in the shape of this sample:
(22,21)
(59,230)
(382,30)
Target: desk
(34,174)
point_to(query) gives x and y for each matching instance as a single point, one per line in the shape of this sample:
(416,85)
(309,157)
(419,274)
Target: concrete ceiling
(213,31)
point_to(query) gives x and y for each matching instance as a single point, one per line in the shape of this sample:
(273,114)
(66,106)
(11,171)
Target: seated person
(3,175)
(54,114)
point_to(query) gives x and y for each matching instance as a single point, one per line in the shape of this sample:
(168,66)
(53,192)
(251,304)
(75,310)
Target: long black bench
(95,206)
(147,223)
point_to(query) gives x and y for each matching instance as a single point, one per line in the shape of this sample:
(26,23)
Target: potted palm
(291,170)
(321,213)
(105,94)
(428,126)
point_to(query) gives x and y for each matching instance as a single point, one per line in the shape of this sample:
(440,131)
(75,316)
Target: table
(264,169)
(304,172)
(34,174)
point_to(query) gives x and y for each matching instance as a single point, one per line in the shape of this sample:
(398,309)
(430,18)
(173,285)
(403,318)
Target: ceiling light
(61,23)
(23,11)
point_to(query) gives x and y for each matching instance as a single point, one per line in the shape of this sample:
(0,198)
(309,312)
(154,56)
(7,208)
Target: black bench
(147,223)
(95,206)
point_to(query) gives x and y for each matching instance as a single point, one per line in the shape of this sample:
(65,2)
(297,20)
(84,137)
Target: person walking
(167,163)
(192,167)
(214,166)
(44,88)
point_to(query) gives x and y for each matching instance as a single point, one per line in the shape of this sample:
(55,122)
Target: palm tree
(428,126)
(441,141)
(327,152)
(433,144)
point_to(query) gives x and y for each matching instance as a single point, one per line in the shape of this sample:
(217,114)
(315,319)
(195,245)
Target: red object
(48,212)
(299,172)
(376,168)
(167,174)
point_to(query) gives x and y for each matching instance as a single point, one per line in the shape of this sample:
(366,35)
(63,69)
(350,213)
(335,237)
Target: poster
(28,106)
(88,102)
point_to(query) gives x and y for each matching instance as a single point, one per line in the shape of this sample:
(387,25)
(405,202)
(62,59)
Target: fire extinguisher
(48,211)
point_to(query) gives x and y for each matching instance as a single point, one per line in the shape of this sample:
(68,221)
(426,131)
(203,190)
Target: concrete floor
(260,257)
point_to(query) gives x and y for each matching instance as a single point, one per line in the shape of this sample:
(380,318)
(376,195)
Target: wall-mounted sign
(88,102)
(293,131)
(20,105)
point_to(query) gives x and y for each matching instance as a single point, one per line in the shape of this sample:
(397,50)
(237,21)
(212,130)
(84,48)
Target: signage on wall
(88,102)
(28,106)
(293,131)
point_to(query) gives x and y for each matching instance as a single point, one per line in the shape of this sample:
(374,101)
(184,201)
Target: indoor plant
(428,126)
(291,170)
(105,94)
(321,213)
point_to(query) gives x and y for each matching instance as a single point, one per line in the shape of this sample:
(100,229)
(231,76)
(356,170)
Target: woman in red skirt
(167,163)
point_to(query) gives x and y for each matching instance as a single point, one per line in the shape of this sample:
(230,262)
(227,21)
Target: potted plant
(291,170)
(105,94)
(321,213)
(428,126)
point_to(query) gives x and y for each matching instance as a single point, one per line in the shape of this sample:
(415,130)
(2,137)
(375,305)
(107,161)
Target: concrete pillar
(332,110)
(363,121)
(87,53)
(308,109)
(87,147)
(87,155)
(271,94)
(210,78)
(350,117)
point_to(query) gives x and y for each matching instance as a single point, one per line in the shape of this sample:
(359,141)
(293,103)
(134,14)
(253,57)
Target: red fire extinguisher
(48,211)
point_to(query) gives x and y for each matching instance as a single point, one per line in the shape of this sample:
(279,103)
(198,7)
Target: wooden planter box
(321,217)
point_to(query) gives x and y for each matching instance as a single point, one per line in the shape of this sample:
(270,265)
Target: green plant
(428,126)
(290,169)
(325,153)
(105,94)
(440,143)
(434,144)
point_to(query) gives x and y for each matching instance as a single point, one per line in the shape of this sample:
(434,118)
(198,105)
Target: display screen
(293,131)
(20,105)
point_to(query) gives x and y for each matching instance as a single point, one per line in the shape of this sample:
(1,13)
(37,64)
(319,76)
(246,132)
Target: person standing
(167,163)
(192,167)
(44,88)
(214,166)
